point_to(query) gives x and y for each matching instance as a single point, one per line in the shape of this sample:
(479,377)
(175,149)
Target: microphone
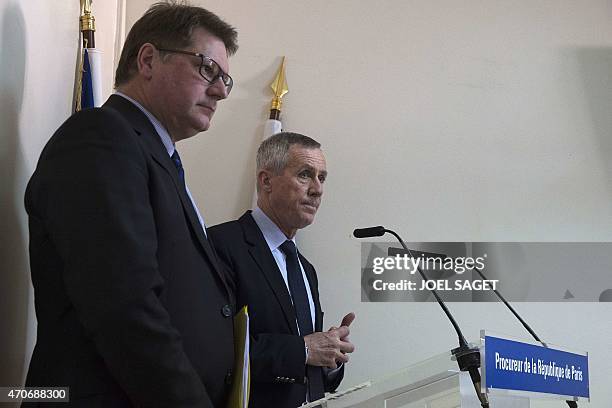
(369,232)
(468,358)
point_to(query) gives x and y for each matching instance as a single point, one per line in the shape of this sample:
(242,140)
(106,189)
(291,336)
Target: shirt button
(226,310)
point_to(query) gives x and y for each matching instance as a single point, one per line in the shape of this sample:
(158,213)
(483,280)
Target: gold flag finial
(280,88)
(88,22)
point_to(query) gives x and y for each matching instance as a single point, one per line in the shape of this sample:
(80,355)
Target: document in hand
(239,397)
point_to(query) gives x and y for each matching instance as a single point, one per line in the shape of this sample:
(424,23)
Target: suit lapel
(193,219)
(260,252)
(145,128)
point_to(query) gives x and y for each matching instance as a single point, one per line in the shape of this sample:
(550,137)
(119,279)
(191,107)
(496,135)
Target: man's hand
(326,349)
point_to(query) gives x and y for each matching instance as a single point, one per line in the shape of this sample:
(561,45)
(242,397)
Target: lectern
(515,374)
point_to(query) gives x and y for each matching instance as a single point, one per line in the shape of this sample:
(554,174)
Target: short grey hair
(273,153)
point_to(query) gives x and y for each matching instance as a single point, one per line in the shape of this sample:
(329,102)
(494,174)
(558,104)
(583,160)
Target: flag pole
(88,24)
(88,85)
(273,124)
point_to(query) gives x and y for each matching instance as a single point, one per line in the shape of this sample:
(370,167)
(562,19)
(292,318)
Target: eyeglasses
(209,69)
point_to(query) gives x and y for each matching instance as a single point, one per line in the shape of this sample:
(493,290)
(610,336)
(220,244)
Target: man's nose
(217,89)
(316,188)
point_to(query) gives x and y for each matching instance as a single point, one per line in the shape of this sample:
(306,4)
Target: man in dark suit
(133,308)
(292,360)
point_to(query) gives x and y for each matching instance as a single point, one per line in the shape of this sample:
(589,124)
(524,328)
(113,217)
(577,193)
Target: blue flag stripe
(87,97)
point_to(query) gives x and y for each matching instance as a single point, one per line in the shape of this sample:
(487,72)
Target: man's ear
(264,180)
(144,61)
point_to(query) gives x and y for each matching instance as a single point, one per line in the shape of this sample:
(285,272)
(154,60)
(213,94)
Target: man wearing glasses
(133,308)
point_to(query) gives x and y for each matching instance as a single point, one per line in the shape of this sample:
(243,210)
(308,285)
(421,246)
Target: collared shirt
(275,238)
(168,144)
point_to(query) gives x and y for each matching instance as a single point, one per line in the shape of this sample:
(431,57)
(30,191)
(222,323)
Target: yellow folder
(239,397)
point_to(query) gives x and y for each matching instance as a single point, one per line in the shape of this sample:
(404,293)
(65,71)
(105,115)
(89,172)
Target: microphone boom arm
(468,358)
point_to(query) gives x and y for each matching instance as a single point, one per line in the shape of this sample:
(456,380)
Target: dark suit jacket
(277,351)
(132,307)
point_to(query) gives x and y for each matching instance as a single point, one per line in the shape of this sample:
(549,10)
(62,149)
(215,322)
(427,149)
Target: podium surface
(437,382)
(432,383)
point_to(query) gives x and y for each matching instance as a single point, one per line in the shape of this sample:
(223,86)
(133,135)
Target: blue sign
(517,366)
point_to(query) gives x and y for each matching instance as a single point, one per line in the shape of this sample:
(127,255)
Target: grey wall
(38,48)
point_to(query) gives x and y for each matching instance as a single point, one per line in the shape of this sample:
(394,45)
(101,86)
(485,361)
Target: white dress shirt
(275,238)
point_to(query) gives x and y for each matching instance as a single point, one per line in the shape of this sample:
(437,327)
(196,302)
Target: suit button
(226,310)
(228,377)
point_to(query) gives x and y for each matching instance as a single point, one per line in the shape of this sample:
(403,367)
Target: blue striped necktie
(176,159)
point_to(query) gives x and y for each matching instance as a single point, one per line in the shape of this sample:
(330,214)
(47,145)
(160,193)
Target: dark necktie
(176,159)
(301,305)
(297,288)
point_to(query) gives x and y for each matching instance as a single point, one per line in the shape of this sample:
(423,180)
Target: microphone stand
(380,231)
(468,358)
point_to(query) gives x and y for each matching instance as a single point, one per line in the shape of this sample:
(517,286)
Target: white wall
(38,48)
(450,121)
